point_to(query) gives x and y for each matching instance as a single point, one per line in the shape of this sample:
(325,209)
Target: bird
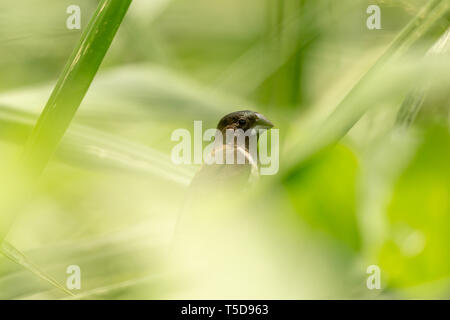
(243,126)
(215,185)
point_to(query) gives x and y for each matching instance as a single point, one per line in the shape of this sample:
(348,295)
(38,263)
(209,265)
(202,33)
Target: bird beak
(262,122)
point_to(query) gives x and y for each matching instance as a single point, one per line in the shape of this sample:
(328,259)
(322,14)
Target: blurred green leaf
(416,250)
(323,192)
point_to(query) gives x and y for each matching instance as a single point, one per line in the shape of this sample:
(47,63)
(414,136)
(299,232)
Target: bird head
(244,120)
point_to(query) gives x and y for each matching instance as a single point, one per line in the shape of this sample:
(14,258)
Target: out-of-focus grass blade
(414,101)
(136,92)
(18,257)
(113,253)
(261,64)
(82,145)
(351,108)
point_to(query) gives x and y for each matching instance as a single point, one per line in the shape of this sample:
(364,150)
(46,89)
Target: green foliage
(419,214)
(363,119)
(323,192)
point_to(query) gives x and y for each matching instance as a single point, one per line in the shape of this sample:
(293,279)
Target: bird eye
(242,122)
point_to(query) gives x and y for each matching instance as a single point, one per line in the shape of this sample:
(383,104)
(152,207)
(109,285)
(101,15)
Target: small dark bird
(215,185)
(236,123)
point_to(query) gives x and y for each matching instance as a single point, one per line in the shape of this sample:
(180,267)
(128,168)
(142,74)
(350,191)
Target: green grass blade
(64,101)
(351,109)
(73,83)
(18,257)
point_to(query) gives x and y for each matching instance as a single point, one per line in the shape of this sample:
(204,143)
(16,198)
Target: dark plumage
(215,183)
(219,174)
(244,120)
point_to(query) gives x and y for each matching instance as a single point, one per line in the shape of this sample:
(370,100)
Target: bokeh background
(363,182)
